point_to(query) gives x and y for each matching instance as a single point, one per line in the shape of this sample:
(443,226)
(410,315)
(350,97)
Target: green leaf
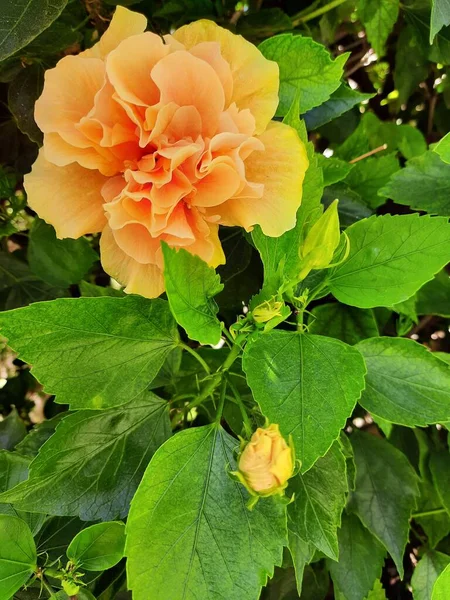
(103,454)
(89,290)
(424,184)
(58,262)
(361,559)
(378,18)
(191,286)
(345,323)
(19,286)
(440,16)
(320,497)
(306,67)
(442,585)
(98,547)
(334,169)
(434,297)
(111,347)
(377,592)
(369,175)
(14,470)
(411,66)
(195,517)
(341,100)
(17,555)
(23,92)
(308,384)
(12,430)
(83,594)
(302,554)
(405,383)
(386,492)
(264,23)
(426,572)
(21,21)
(390,258)
(351,207)
(440,472)
(442,148)
(38,435)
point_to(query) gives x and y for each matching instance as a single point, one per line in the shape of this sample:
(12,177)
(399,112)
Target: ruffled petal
(255,79)
(69,198)
(281,169)
(144,279)
(124,24)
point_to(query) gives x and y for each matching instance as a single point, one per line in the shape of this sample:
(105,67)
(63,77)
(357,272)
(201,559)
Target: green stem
(47,587)
(297,19)
(197,357)
(223,391)
(239,401)
(428,513)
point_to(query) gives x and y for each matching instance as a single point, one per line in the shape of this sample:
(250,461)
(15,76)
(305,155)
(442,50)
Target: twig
(298,19)
(367,154)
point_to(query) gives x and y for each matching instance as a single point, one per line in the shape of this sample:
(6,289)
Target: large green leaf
(424,184)
(58,262)
(434,297)
(93,352)
(320,497)
(191,286)
(93,463)
(390,258)
(442,585)
(443,148)
(302,554)
(345,323)
(378,18)
(306,67)
(308,384)
(17,555)
(369,175)
(405,383)
(189,532)
(12,430)
(386,492)
(98,547)
(426,572)
(411,66)
(23,20)
(23,92)
(440,472)
(340,101)
(440,16)
(361,558)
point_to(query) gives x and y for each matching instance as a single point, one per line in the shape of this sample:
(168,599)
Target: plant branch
(367,154)
(197,357)
(239,401)
(428,513)
(302,18)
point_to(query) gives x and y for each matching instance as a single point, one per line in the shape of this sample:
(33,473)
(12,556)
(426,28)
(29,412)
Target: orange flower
(148,139)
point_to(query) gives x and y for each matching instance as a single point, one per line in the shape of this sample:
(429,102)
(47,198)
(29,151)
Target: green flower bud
(321,242)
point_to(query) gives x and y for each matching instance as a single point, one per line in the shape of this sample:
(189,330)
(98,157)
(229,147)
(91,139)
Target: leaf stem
(302,18)
(367,154)
(223,390)
(197,357)
(47,586)
(428,513)
(239,401)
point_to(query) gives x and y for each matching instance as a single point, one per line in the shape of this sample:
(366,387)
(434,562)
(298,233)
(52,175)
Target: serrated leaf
(17,555)
(38,435)
(334,169)
(103,454)
(442,585)
(378,18)
(411,66)
(426,572)
(361,558)
(386,492)
(440,472)
(440,16)
(196,518)
(90,290)
(434,297)
(405,383)
(351,207)
(191,286)
(442,148)
(58,262)
(320,496)
(22,20)
(111,347)
(308,384)
(98,547)
(390,258)
(424,184)
(377,592)
(369,175)
(12,430)
(302,554)
(306,67)
(341,100)
(345,323)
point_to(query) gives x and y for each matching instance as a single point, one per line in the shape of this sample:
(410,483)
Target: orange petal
(255,79)
(221,183)
(68,96)
(144,279)
(129,67)
(135,240)
(281,169)
(69,198)
(190,81)
(124,24)
(210,52)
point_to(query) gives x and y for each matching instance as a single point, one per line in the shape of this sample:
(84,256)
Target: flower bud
(266,463)
(70,587)
(321,242)
(267,311)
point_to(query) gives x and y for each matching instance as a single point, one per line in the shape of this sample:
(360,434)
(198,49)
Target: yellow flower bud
(321,242)
(267,310)
(266,463)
